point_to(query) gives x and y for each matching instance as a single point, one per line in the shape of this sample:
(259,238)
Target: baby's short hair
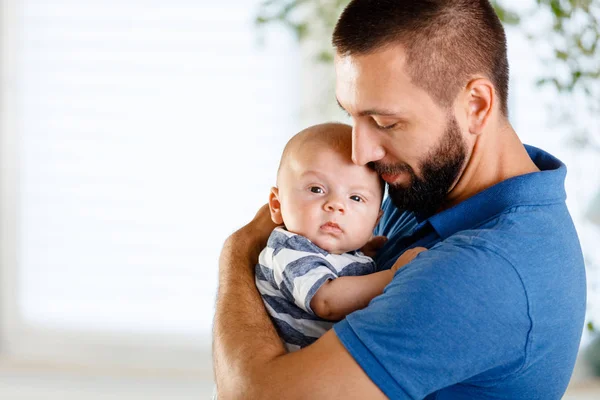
(332,134)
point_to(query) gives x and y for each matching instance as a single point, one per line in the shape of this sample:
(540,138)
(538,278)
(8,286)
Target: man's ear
(275,206)
(481,99)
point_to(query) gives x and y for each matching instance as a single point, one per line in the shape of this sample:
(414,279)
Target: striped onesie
(289,272)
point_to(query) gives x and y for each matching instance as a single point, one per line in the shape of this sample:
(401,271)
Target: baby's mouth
(331,227)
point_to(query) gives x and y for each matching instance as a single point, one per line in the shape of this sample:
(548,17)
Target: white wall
(126,137)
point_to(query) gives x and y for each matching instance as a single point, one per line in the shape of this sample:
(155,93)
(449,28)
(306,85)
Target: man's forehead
(376,84)
(390,59)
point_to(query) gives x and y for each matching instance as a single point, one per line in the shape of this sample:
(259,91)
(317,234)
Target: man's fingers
(263,213)
(262,224)
(377,242)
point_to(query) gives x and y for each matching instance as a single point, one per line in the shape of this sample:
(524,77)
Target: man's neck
(497,155)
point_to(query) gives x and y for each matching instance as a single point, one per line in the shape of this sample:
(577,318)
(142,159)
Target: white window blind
(147,131)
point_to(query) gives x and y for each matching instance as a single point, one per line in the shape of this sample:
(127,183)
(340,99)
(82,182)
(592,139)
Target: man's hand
(261,225)
(241,320)
(253,236)
(407,257)
(372,247)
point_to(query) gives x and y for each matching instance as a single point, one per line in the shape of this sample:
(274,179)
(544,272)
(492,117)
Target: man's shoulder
(506,293)
(464,259)
(452,299)
(525,236)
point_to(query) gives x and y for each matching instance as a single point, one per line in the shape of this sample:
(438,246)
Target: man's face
(417,146)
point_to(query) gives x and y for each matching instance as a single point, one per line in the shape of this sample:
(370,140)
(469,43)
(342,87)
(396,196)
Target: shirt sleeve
(301,273)
(448,316)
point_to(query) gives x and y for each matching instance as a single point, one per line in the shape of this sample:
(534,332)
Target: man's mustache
(391,169)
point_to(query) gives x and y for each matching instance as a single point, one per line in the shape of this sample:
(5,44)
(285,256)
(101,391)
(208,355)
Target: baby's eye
(316,189)
(356,198)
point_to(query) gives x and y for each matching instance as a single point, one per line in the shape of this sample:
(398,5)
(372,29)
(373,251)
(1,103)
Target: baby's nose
(335,205)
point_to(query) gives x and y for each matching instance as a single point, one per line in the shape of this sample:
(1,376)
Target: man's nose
(365,145)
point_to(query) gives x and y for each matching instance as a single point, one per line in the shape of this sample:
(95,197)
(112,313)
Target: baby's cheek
(302,223)
(366,236)
(368,225)
(360,235)
(369,216)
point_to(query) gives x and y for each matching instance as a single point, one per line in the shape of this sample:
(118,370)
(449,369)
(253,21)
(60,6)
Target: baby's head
(322,195)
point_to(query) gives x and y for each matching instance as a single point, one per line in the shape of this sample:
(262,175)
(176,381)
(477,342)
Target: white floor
(36,386)
(31,384)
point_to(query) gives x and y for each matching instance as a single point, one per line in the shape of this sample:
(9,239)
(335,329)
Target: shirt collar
(536,188)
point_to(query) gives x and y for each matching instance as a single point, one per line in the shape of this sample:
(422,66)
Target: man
(495,307)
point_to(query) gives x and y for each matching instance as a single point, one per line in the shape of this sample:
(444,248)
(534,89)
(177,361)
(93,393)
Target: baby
(312,273)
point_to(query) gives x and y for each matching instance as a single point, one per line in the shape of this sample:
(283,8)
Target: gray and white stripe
(289,272)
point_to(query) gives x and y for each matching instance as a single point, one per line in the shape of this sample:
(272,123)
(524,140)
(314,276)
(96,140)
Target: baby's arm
(339,297)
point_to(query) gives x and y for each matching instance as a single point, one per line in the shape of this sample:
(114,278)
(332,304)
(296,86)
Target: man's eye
(316,189)
(385,127)
(356,198)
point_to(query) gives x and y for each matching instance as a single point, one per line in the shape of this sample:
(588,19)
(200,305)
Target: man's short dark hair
(446,41)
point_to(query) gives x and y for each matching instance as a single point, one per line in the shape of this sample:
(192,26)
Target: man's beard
(425,196)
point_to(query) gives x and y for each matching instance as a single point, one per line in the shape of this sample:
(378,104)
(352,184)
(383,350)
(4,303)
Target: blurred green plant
(305,17)
(570,28)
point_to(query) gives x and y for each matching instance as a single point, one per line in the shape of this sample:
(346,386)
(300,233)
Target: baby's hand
(407,257)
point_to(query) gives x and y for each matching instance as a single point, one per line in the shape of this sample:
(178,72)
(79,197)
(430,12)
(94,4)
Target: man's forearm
(339,297)
(243,335)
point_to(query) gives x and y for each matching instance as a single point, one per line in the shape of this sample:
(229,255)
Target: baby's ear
(379,217)
(275,206)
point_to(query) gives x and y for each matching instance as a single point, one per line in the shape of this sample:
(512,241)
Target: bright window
(126,160)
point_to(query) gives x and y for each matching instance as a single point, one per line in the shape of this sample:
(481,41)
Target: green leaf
(325,57)
(260,20)
(541,81)
(561,55)
(302,31)
(506,16)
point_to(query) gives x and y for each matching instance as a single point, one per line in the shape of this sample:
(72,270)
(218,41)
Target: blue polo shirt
(493,310)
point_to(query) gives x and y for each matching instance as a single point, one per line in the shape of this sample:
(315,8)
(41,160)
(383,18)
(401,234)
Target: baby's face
(328,199)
